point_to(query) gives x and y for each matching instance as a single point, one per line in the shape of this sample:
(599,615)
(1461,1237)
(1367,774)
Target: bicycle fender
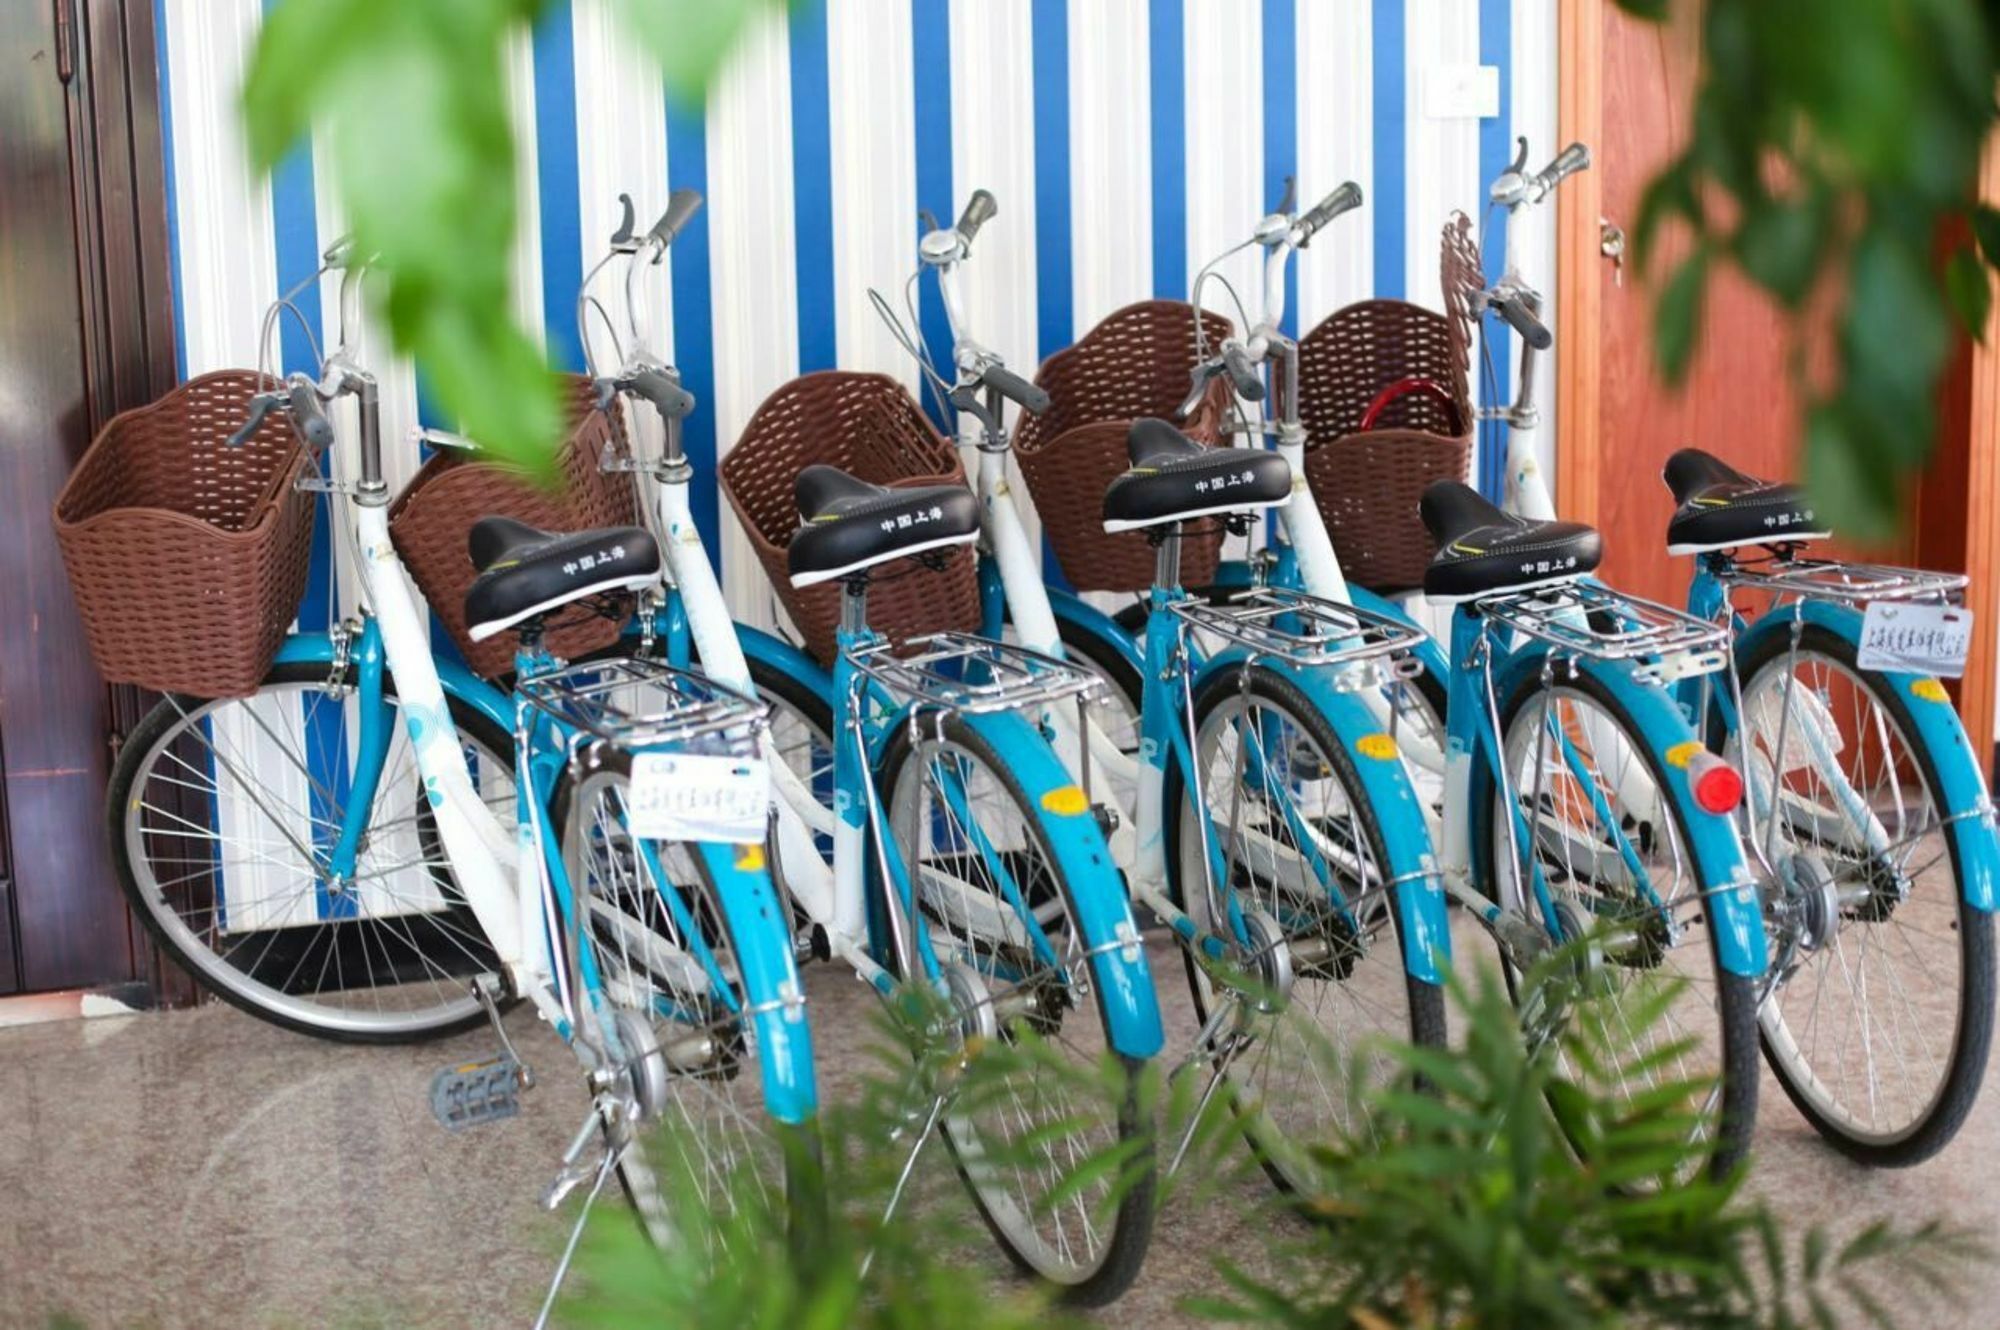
(1729,886)
(1062,810)
(1940,730)
(1420,903)
(1073,609)
(458,681)
(760,927)
(786,658)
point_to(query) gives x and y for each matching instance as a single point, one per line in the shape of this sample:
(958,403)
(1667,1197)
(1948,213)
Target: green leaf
(1780,241)
(1677,318)
(690,38)
(1986,230)
(1967,283)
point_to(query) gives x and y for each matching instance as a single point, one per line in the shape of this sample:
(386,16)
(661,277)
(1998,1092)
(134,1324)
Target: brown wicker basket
(1367,482)
(431,518)
(1135,363)
(188,557)
(866,424)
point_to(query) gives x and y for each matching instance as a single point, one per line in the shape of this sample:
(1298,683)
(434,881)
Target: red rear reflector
(1718,787)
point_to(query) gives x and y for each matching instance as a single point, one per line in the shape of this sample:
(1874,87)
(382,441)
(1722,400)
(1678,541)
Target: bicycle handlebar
(979,210)
(299,399)
(662,389)
(1533,331)
(681,205)
(1344,199)
(1015,389)
(1243,374)
(1574,158)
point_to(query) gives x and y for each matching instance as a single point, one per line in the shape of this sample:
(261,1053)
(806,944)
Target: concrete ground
(200,1168)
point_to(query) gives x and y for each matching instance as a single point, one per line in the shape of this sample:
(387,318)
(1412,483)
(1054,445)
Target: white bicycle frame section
(514,904)
(833,895)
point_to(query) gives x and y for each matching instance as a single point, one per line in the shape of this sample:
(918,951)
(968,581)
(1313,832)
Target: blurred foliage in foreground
(411,96)
(1833,157)
(1469,1203)
(1459,1200)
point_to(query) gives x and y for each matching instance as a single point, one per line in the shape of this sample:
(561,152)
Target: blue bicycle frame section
(1063,815)
(1961,778)
(1729,889)
(760,928)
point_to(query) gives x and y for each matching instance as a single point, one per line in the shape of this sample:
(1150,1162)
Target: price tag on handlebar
(1915,639)
(699,797)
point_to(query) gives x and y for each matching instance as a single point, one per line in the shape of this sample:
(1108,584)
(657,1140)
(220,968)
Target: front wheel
(223,816)
(1278,843)
(1000,909)
(1882,1015)
(1618,874)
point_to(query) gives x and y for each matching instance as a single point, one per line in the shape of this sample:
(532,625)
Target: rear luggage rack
(633,703)
(1588,619)
(1359,648)
(962,673)
(1844,583)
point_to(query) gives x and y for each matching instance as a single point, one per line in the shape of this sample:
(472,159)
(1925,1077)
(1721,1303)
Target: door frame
(1579,453)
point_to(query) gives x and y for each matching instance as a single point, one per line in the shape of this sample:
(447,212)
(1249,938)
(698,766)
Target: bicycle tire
(1736,995)
(1425,1018)
(1973,1032)
(143,745)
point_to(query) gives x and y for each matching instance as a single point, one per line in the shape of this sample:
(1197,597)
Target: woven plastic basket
(1135,363)
(431,518)
(188,557)
(1367,482)
(866,424)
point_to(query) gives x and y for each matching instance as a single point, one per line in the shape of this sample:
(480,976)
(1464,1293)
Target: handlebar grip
(681,205)
(260,406)
(1533,331)
(672,401)
(1345,199)
(308,416)
(979,210)
(1249,386)
(1015,389)
(1574,158)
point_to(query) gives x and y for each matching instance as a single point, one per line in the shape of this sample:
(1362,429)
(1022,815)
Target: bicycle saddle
(1482,549)
(849,524)
(526,572)
(1173,478)
(1721,508)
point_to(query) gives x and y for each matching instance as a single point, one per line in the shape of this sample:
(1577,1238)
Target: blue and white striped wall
(1127,141)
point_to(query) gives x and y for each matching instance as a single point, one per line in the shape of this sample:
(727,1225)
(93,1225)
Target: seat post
(853,607)
(1167,557)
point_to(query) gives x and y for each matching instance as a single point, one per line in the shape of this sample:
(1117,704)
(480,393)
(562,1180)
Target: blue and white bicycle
(378,846)
(1559,790)
(927,832)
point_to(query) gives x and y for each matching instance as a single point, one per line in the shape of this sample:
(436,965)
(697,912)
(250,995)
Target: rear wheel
(1001,913)
(1304,860)
(1574,759)
(658,952)
(222,816)
(1882,1015)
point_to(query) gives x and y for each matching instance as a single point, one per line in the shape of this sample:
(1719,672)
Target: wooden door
(1626,88)
(85,329)
(1736,402)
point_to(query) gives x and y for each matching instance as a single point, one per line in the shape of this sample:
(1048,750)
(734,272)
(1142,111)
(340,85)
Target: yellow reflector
(1067,801)
(1381,747)
(1930,690)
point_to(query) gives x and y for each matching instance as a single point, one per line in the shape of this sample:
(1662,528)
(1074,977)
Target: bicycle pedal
(473,1094)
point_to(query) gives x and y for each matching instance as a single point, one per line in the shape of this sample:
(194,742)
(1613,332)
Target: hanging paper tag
(1915,639)
(699,797)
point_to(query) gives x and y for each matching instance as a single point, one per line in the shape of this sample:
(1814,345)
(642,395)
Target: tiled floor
(202,1169)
